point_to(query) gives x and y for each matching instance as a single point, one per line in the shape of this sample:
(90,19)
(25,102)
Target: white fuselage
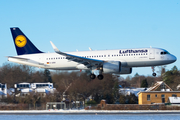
(142,57)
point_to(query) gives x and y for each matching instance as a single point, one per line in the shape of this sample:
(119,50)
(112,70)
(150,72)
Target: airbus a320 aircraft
(119,61)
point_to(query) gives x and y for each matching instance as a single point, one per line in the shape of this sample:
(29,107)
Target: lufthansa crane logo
(20,41)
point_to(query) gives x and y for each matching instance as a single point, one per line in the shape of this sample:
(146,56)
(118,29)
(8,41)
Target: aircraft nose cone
(173,58)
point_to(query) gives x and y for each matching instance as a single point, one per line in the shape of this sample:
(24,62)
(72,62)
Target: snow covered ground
(90,112)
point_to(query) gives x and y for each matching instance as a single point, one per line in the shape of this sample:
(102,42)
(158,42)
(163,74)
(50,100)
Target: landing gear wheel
(92,76)
(100,77)
(154,74)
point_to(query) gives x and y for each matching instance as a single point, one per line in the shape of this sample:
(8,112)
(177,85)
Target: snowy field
(95,112)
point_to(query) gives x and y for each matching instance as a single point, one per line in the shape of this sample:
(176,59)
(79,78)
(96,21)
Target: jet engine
(112,67)
(125,70)
(115,67)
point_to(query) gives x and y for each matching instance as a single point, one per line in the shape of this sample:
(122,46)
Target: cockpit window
(164,52)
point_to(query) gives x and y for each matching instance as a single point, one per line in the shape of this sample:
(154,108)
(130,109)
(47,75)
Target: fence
(56,105)
(47,106)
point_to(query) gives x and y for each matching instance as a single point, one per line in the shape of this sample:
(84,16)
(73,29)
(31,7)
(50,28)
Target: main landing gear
(100,77)
(93,76)
(154,74)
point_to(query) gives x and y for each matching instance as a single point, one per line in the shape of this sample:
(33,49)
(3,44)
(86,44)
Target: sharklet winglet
(54,47)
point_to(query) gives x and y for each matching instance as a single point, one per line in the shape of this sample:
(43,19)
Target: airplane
(120,61)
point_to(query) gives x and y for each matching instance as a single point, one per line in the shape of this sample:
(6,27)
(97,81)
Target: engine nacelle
(112,67)
(125,70)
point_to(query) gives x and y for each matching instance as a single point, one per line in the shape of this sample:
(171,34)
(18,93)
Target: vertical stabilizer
(22,43)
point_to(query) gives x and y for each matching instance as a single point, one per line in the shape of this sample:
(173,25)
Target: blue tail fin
(22,43)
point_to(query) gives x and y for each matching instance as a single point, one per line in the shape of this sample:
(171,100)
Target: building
(23,89)
(174,100)
(128,91)
(3,90)
(43,87)
(157,94)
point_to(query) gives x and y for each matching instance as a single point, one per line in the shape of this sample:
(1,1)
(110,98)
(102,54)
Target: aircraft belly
(63,65)
(147,63)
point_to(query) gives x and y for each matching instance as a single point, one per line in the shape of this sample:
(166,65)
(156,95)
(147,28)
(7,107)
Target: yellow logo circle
(20,41)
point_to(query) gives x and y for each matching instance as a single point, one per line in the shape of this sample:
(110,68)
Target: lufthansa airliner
(120,61)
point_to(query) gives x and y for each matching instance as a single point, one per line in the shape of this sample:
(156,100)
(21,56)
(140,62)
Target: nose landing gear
(154,74)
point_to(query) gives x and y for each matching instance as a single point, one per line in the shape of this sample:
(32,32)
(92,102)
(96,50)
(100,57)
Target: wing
(89,63)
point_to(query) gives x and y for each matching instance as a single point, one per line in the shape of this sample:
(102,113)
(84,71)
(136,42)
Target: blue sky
(99,24)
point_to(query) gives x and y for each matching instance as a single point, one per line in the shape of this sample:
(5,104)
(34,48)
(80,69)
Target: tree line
(77,86)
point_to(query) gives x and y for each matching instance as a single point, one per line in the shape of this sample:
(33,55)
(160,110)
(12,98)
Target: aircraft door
(151,54)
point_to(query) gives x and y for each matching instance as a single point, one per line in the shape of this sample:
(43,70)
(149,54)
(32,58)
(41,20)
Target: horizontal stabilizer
(17,58)
(10,58)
